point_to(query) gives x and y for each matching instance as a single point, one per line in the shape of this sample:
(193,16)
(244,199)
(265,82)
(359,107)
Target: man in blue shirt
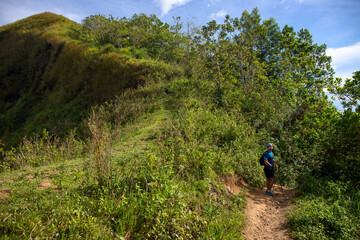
(269,166)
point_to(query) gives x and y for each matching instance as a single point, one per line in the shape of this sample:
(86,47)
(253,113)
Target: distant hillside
(50,80)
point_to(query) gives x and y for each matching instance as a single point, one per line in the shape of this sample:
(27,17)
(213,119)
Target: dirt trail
(266,215)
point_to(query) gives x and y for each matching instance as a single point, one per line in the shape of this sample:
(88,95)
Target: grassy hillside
(137,181)
(50,80)
(164,116)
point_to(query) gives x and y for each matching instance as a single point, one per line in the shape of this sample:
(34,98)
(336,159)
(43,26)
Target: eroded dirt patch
(4,193)
(234,184)
(45,183)
(30,177)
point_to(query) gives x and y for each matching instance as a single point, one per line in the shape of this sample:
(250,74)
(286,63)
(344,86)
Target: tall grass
(43,150)
(100,147)
(171,190)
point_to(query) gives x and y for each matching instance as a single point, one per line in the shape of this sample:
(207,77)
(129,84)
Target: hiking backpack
(262,160)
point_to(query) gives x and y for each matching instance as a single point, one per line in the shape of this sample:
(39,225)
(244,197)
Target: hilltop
(50,79)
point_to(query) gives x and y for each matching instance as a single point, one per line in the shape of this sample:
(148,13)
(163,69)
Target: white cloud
(167,5)
(219,14)
(213,2)
(301,1)
(345,60)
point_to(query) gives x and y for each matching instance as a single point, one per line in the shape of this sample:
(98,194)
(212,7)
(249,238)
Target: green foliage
(326,210)
(148,198)
(165,113)
(42,150)
(158,39)
(104,30)
(100,146)
(204,143)
(323,142)
(349,93)
(51,81)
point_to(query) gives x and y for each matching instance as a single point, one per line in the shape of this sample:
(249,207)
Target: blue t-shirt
(270,157)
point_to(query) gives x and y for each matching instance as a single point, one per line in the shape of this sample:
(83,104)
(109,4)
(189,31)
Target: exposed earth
(266,215)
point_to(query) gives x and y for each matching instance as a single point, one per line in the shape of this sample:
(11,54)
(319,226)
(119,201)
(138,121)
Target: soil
(266,215)
(4,193)
(30,177)
(45,183)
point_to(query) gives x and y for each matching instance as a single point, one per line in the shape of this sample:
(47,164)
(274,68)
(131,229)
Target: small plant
(100,146)
(326,210)
(42,150)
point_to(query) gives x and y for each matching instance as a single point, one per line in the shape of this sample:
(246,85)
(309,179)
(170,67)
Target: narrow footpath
(266,215)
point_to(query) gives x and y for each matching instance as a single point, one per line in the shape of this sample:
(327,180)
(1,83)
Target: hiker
(269,165)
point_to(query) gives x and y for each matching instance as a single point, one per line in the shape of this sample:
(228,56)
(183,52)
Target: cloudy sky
(333,22)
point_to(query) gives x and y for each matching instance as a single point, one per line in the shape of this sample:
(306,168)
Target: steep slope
(50,80)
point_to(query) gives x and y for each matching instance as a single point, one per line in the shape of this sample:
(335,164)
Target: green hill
(50,80)
(134,125)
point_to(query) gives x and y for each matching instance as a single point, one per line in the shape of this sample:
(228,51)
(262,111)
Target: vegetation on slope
(51,80)
(148,164)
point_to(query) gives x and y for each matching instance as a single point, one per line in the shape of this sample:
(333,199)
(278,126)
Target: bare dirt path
(266,215)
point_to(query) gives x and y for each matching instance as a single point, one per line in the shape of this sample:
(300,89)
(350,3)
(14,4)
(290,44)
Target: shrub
(102,136)
(326,210)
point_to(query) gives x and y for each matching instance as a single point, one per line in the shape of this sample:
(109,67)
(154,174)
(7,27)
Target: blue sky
(333,22)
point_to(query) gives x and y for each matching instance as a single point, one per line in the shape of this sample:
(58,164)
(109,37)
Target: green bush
(326,210)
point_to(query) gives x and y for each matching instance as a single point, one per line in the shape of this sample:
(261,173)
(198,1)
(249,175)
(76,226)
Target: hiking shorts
(269,173)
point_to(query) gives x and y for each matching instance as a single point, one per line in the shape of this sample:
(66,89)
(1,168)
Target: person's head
(270,147)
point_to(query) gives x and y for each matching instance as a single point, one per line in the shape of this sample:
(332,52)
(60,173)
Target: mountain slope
(50,80)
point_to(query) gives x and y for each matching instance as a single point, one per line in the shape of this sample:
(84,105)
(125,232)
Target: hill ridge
(51,78)
(37,20)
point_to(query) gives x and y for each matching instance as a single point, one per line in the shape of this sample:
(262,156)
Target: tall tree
(349,92)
